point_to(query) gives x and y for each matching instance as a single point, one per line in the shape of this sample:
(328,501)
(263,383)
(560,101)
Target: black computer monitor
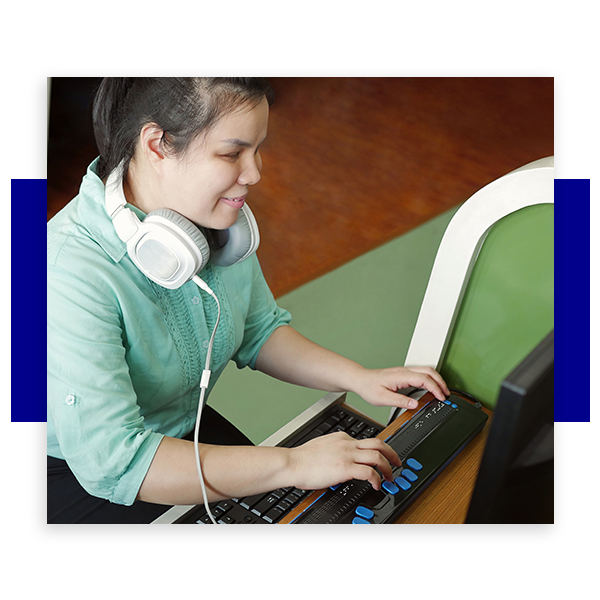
(515,483)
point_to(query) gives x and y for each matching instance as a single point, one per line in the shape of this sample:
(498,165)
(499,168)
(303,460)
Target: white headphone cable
(203,385)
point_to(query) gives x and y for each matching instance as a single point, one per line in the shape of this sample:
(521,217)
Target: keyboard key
(250,501)
(358,426)
(390,488)
(264,505)
(225,505)
(408,474)
(296,496)
(402,483)
(323,428)
(359,521)
(332,421)
(414,464)
(203,520)
(347,422)
(311,436)
(226,520)
(286,504)
(364,512)
(274,514)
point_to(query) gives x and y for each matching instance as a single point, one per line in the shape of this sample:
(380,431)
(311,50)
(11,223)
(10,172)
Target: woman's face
(210,182)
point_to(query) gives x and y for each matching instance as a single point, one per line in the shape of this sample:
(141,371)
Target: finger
(390,454)
(388,398)
(422,380)
(365,473)
(385,449)
(442,383)
(435,376)
(406,402)
(376,460)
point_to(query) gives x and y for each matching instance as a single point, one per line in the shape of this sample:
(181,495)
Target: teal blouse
(125,355)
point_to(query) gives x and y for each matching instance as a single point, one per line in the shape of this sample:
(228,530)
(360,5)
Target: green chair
(490,297)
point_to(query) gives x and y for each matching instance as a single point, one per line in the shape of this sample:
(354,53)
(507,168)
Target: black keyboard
(271,507)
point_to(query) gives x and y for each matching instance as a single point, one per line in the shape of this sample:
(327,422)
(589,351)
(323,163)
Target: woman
(125,354)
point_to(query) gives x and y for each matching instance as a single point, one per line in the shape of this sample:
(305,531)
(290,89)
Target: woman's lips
(234,202)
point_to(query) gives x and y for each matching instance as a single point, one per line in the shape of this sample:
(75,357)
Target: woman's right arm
(229,472)
(236,471)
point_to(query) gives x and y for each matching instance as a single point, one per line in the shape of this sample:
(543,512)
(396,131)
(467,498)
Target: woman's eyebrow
(237,142)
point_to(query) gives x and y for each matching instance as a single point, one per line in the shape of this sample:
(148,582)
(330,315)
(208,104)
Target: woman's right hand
(336,457)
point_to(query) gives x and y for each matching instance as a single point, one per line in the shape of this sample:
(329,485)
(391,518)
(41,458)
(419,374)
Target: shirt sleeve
(91,400)
(263,317)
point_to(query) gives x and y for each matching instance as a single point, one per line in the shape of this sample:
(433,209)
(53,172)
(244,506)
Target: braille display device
(426,444)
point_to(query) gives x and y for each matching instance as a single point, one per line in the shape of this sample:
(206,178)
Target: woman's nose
(250,175)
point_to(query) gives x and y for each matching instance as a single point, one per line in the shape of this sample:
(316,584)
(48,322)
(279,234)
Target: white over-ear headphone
(168,248)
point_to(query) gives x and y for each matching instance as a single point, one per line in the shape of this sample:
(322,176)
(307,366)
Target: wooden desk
(446,500)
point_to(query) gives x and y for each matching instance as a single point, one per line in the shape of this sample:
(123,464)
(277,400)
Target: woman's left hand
(379,386)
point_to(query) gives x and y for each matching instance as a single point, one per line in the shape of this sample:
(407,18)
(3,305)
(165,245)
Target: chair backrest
(490,296)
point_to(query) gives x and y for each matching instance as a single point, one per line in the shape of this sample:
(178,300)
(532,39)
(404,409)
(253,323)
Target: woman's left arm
(289,356)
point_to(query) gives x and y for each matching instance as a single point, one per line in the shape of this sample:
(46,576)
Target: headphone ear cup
(237,243)
(188,232)
(168,248)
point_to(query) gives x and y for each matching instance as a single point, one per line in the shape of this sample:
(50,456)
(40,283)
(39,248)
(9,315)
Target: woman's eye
(232,156)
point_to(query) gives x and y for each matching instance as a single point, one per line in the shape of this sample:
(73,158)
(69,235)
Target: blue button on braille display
(390,487)
(408,474)
(403,483)
(454,406)
(414,464)
(364,512)
(359,521)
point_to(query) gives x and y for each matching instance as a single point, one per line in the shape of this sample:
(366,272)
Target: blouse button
(70,400)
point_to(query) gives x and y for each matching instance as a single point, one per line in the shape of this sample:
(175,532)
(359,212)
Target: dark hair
(183,107)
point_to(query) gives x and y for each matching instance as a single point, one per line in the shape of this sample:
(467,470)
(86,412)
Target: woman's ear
(151,142)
